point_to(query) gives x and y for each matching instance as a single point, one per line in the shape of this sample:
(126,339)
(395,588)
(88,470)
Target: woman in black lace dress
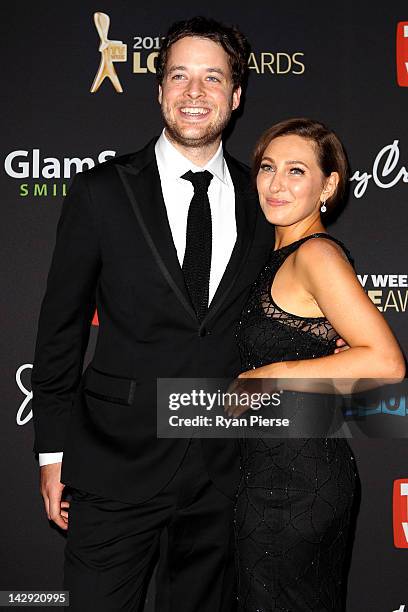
(294,501)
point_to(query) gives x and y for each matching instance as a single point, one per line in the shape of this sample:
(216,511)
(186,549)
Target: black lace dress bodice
(293,505)
(267,334)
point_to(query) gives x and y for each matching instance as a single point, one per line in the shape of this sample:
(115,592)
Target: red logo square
(402,53)
(400,513)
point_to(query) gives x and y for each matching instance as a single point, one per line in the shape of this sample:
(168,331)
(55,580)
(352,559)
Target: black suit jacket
(114,250)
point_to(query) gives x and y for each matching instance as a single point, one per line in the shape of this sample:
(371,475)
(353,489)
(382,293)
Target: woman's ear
(330,186)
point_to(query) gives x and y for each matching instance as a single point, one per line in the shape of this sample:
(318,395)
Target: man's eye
(213,79)
(178,77)
(297,171)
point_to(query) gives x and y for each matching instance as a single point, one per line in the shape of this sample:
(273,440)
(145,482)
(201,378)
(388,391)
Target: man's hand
(51,489)
(341,346)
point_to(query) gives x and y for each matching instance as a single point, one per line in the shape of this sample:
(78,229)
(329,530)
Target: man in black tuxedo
(165,243)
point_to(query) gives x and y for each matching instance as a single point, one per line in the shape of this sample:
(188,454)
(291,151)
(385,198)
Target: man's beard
(210,134)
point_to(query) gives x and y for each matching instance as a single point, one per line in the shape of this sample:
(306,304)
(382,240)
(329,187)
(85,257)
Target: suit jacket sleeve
(65,318)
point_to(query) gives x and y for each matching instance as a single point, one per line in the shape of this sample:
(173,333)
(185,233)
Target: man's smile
(196,112)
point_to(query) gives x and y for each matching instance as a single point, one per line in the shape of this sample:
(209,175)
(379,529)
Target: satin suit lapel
(246,208)
(141,180)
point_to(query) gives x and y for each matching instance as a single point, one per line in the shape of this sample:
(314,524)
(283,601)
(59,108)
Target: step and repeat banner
(345,64)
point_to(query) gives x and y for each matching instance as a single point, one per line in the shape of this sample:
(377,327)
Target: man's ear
(236,97)
(160,95)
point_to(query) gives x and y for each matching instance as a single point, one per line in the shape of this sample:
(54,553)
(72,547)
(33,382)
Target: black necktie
(197,256)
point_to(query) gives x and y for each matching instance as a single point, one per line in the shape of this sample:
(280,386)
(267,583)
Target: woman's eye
(266,168)
(297,171)
(213,79)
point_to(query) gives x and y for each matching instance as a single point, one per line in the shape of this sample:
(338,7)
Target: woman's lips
(276,202)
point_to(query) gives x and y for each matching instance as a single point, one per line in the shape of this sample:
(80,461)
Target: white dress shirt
(177,194)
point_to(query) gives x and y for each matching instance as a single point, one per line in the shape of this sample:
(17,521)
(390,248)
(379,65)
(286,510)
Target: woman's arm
(330,280)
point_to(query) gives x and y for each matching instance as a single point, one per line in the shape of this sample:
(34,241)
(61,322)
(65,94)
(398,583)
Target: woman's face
(290,182)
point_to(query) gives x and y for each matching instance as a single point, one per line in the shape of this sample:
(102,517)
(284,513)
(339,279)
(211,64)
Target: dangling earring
(323,207)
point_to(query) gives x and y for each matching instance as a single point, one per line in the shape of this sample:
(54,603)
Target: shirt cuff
(47,458)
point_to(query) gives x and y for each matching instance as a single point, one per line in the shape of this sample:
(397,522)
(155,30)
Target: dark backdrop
(332,61)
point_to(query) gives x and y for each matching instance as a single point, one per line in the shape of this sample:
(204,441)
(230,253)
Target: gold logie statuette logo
(111,51)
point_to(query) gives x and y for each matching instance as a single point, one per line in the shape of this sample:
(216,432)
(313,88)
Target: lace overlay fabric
(295,496)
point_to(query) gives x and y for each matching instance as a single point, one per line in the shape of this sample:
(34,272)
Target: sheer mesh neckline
(286,312)
(304,238)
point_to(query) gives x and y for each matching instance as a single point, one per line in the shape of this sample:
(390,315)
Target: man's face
(197,94)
